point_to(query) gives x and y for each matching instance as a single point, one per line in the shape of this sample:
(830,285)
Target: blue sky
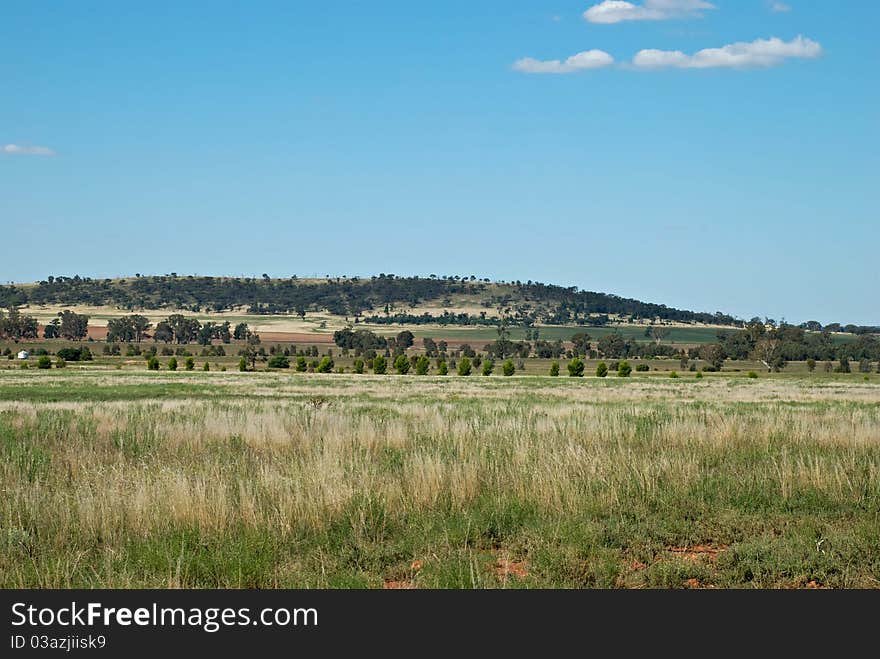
(453,138)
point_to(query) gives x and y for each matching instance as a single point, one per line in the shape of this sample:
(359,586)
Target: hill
(382,299)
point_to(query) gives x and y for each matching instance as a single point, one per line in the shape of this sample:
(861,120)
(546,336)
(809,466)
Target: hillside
(383,299)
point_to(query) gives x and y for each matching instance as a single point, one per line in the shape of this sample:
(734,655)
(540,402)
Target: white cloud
(17,150)
(616,11)
(758,53)
(780,7)
(589,59)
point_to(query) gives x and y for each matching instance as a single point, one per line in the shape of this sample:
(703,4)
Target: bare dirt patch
(697,552)
(505,568)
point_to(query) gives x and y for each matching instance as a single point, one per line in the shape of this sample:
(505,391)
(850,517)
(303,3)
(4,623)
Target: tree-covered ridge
(385,298)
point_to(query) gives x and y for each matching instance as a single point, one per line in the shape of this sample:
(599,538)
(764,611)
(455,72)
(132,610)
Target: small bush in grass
(325,365)
(152,363)
(508,368)
(624,370)
(60,363)
(380,365)
(488,367)
(554,369)
(753,375)
(674,375)
(402,364)
(811,365)
(301,364)
(359,366)
(190,363)
(172,364)
(643,368)
(576,368)
(278,361)
(423,365)
(24,366)
(602,370)
(222,369)
(44,362)
(206,367)
(442,369)
(699,375)
(464,367)
(242,364)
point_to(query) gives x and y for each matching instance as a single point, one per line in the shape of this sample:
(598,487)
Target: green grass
(264,480)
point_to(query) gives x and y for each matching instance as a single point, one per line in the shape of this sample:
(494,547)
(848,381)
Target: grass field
(261,480)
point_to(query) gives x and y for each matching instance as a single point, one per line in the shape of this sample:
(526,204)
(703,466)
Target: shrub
(843,366)
(152,364)
(24,366)
(172,364)
(624,370)
(278,361)
(85,355)
(325,365)
(44,362)
(242,364)
(442,369)
(301,365)
(576,368)
(423,364)
(464,367)
(673,375)
(190,363)
(508,368)
(643,368)
(554,369)
(811,365)
(380,366)
(60,363)
(359,366)
(402,365)
(69,354)
(206,367)
(753,375)
(602,370)
(166,351)
(488,367)
(699,375)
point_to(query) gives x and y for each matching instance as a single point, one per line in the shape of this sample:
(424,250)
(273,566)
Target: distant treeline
(381,298)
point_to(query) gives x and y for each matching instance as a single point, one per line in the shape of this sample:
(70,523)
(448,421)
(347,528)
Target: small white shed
(24,354)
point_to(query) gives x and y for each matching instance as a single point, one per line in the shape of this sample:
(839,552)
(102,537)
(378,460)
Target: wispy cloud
(758,53)
(19,150)
(617,11)
(589,59)
(780,7)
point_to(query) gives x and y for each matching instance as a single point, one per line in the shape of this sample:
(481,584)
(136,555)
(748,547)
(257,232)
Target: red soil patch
(693,583)
(697,552)
(505,568)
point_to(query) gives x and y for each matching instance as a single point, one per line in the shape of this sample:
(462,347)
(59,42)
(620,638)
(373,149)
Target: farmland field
(263,480)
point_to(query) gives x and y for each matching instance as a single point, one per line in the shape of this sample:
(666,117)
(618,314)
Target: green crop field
(276,479)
